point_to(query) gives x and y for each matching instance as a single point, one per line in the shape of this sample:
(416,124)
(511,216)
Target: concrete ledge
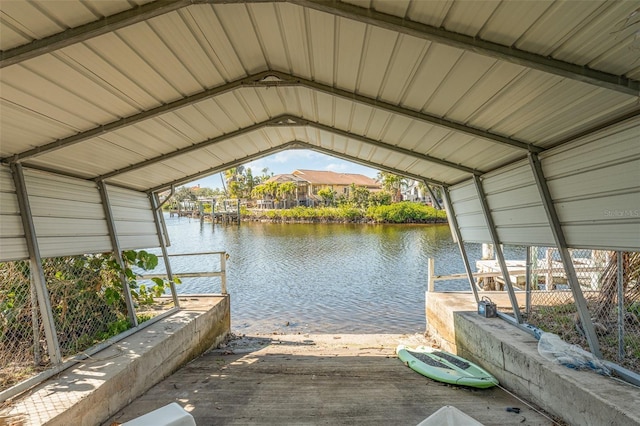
(579,398)
(92,391)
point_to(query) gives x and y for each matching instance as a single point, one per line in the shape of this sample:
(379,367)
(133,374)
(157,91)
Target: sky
(290,160)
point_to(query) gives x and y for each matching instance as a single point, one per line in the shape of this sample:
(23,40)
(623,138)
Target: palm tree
(286,190)
(236,180)
(393,184)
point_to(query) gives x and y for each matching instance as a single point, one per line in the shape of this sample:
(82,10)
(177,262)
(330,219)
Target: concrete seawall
(577,397)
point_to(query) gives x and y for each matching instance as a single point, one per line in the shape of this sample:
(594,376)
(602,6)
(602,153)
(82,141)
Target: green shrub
(404,212)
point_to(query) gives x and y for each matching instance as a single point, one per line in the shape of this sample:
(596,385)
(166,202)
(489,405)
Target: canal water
(320,278)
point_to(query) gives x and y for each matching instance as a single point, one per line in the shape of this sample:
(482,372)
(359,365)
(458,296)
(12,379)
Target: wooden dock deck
(319,379)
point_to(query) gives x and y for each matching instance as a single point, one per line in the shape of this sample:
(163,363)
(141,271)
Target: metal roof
(144,95)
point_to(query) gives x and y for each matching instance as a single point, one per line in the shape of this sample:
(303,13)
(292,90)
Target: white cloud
(337,167)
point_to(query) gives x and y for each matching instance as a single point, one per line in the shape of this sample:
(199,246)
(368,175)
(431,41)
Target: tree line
(241,183)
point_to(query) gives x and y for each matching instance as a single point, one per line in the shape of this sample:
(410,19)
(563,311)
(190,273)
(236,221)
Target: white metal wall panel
(78,228)
(468,211)
(595,185)
(516,206)
(133,217)
(13,245)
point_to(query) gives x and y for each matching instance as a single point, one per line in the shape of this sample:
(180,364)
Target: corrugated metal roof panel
(120,55)
(238,26)
(378,52)
(47,227)
(321,51)
(599,33)
(511,19)
(296,38)
(350,39)
(49,185)
(47,100)
(205,26)
(23,128)
(267,23)
(408,54)
(109,76)
(28,22)
(167,57)
(73,245)
(565,18)
(464,17)
(188,58)
(55,207)
(163,70)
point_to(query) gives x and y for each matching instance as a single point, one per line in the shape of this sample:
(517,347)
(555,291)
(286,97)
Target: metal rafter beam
(366,15)
(296,144)
(288,121)
(371,164)
(89,30)
(288,80)
(277,121)
(226,166)
(136,118)
(388,146)
(261,79)
(546,64)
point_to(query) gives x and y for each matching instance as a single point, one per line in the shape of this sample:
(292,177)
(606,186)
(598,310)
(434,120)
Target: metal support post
(497,248)
(527,281)
(37,274)
(565,256)
(157,217)
(35,322)
(451,216)
(621,310)
(117,252)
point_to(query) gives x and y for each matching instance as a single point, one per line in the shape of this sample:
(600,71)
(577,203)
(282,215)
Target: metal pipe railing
(222,273)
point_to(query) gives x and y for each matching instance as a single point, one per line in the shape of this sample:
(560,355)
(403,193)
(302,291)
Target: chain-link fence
(87,305)
(22,351)
(610,283)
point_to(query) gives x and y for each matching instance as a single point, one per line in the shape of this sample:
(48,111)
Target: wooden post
(432,284)
(223,269)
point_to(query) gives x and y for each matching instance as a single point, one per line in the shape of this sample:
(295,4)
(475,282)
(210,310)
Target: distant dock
(217,217)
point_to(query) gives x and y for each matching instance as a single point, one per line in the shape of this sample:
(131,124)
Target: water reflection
(338,278)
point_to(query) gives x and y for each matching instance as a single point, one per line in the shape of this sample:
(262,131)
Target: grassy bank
(403,212)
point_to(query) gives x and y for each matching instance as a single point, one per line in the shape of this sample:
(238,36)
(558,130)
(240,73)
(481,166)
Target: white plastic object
(449,416)
(169,415)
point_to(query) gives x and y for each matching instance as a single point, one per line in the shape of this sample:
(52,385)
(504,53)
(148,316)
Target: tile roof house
(325,178)
(309,182)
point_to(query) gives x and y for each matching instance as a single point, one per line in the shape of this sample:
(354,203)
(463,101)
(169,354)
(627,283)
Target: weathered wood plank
(319,379)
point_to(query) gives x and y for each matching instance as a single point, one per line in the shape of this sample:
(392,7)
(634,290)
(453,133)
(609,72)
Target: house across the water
(309,182)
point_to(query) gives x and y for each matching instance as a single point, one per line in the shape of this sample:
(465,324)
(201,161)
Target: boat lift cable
(555,422)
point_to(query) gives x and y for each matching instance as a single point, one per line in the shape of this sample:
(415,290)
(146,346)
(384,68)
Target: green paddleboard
(445,367)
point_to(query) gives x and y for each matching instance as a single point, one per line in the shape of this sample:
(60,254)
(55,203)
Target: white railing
(222,273)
